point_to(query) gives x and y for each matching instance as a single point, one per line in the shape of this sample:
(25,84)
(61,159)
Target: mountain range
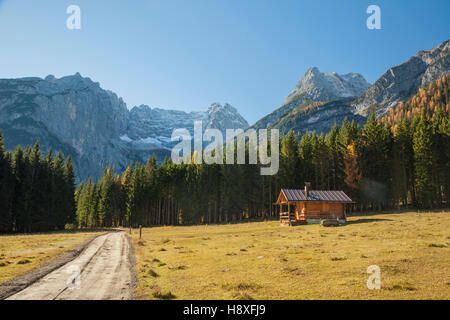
(320,98)
(75,115)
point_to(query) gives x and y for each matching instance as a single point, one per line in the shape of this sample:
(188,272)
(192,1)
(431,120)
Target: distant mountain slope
(316,86)
(93,125)
(72,114)
(403,81)
(149,130)
(299,113)
(435,98)
(319,117)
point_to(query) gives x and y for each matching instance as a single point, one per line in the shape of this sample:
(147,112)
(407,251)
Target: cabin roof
(316,196)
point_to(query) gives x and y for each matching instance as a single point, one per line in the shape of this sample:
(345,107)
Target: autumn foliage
(431,98)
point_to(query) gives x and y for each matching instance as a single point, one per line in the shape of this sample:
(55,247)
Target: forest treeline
(36,193)
(401,160)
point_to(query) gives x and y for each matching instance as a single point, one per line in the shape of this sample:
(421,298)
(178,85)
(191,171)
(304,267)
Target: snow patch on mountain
(155,126)
(75,115)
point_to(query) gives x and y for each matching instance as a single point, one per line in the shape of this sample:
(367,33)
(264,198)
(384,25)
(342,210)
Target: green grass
(263,260)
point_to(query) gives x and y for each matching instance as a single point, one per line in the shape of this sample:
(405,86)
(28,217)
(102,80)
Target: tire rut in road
(106,272)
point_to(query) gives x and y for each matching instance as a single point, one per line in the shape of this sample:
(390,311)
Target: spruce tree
(106,197)
(69,190)
(306,150)
(6,190)
(352,173)
(424,161)
(289,162)
(442,149)
(374,151)
(403,162)
(60,192)
(336,152)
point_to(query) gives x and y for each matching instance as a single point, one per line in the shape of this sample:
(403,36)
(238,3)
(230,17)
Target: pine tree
(336,152)
(60,195)
(442,168)
(126,185)
(86,206)
(50,197)
(321,161)
(374,151)
(21,190)
(69,190)
(344,133)
(78,192)
(306,149)
(403,163)
(352,172)
(6,190)
(424,161)
(106,197)
(289,162)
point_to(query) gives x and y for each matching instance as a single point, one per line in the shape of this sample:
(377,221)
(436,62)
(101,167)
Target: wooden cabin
(311,206)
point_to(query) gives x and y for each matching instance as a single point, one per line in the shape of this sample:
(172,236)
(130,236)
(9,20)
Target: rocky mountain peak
(327,86)
(75,115)
(224,117)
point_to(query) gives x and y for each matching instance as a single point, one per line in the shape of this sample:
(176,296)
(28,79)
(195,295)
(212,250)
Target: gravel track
(105,268)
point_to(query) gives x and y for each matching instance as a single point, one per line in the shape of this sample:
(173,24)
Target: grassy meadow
(263,260)
(22,253)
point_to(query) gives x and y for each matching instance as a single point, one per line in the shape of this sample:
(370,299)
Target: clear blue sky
(186,54)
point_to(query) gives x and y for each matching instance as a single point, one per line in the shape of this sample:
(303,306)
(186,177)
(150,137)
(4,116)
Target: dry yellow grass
(22,253)
(263,260)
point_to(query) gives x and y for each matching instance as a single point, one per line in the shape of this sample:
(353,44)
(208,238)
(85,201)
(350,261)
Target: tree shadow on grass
(65,231)
(366,221)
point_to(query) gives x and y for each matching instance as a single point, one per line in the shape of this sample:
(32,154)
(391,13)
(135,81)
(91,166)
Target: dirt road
(103,271)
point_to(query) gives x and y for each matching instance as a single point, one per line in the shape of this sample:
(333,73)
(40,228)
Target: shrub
(436,245)
(337,259)
(157,293)
(23,261)
(152,273)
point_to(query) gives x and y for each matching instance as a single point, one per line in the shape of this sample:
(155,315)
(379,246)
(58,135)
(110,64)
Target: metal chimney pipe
(307,186)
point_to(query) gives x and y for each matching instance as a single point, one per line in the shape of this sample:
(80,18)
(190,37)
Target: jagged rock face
(150,130)
(94,126)
(316,86)
(320,119)
(328,86)
(397,84)
(72,114)
(403,81)
(224,117)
